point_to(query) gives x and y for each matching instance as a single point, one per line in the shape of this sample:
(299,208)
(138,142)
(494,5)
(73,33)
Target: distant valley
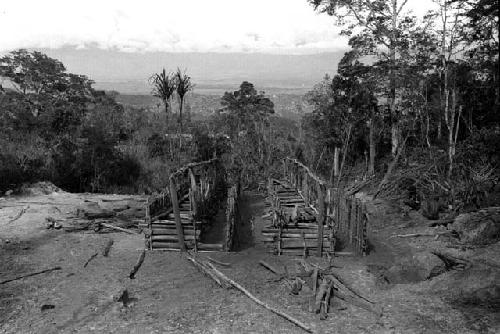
(213,73)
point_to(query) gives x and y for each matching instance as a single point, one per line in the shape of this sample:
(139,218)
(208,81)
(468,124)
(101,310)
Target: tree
(164,86)
(380,28)
(183,85)
(44,95)
(246,116)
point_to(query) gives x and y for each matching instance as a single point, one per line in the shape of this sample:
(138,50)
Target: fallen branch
(261,303)
(413,235)
(93,256)
(219,262)
(207,270)
(118,228)
(32,274)
(138,264)
(23,210)
(270,268)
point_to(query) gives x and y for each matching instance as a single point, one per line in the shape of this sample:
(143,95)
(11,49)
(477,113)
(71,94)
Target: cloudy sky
(277,26)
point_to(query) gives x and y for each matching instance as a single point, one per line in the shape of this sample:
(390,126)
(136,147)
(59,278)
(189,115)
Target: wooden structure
(308,216)
(176,218)
(232,215)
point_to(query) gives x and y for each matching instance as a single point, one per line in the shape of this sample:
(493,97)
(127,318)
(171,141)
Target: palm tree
(163,88)
(183,86)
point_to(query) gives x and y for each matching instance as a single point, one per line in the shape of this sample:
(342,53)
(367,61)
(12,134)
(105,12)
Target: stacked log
(298,239)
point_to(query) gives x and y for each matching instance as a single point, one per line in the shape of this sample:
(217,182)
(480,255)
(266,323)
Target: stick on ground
(23,210)
(219,262)
(261,303)
(138,264)
(32,274)
(93,256)
(118,228)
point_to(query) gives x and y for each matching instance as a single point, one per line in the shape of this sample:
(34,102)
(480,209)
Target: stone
(478,228)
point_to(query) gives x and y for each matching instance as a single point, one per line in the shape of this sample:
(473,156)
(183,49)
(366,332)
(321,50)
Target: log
(359,303)
(167,224)
(32,274)
(295,235)
(320,295)
(326,302)
(207,270)
(172,238)
(340,285)
(167,231)
(414,235)
(118,228)
(219,262)
(137,265)
(261,303)
(287,243)
(93,256)
(314,281)
(107,248)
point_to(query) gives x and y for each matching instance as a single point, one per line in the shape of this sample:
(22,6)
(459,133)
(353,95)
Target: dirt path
(170,296)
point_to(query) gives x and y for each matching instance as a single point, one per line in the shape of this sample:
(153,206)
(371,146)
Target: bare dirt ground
(169,295)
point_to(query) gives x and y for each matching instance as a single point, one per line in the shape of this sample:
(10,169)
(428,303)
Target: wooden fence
(200,182)
(232,215)
(345,216)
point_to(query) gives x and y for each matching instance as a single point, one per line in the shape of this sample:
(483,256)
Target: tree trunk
(371,165)
(392,97)
(334,171)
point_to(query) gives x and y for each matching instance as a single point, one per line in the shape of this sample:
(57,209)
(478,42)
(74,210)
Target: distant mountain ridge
(128,73)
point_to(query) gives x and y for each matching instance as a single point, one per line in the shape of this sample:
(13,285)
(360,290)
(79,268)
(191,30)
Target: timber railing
(343,213)
(201,182)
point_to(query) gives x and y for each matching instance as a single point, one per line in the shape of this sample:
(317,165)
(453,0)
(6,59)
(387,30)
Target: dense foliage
(419,91)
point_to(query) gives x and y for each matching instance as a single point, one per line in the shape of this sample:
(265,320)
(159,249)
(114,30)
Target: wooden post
(194,193)
(177,214)
(305,189)
(321,217)
(150,226)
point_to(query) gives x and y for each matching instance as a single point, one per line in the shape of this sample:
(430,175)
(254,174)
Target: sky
(269,26)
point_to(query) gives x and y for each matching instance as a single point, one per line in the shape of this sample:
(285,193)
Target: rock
(429,264)
(478,228)
(420,267)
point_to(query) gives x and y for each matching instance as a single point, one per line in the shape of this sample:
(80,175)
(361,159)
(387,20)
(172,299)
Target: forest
(413,109)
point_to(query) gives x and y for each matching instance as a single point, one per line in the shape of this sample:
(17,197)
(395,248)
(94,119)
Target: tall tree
(164,86)
(247,115)
(380,28)
(183,85)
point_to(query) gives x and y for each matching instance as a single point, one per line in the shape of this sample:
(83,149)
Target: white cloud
(168,25)
(149,25)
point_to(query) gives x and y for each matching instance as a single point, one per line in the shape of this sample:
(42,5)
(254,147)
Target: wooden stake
(177,214)
(321,218)
(107,248)
(138,264)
